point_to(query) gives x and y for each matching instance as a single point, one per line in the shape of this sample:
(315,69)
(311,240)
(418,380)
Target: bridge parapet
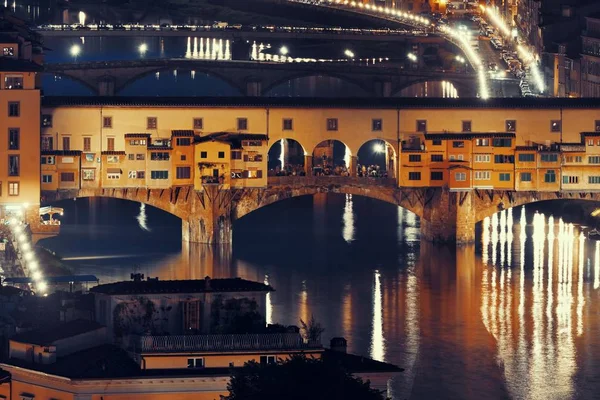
(330,180)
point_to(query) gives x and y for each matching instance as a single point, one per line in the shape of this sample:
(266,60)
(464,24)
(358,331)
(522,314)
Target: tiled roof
(15,65)
(61,152)
(184,133)
(230,137)
(50,334)
(274,102)
(137,135)
(526,148)
(113,153)
(183,286)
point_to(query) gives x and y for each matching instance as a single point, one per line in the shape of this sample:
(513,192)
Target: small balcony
(213,180)
(222,343)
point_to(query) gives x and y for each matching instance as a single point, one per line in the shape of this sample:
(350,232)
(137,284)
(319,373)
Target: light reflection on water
(517,320)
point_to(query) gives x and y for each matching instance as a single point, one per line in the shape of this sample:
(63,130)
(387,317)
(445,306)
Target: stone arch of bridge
(413,200)
(173,201)
(317,73)
(222,77)
(461,87)
(74,78)
(488,203)
(275,148)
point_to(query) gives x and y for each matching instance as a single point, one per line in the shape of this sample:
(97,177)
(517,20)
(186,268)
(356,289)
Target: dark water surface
(515,318)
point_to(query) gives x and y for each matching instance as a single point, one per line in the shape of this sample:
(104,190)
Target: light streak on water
(348,220)
(142,219)
(377,340)
(486,240)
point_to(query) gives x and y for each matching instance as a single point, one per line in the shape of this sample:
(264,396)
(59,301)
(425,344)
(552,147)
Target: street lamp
(284,51)
(75,50)
(378,148)
(349,53)
(460,59)
(412,57)
(143,48)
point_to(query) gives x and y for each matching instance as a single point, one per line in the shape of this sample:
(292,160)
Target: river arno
(510,319)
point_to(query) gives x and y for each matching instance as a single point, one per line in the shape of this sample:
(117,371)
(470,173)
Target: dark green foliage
(298,378)
(135,317)
(235,316)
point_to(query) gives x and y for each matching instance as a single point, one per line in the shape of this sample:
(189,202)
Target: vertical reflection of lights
(523,238)
(348,220)
(509,236)
(486,240)
(494,237)
(142,219)
(597,266)
(377,340)
(580,298)
(268,305)
(195,48)
(537,350)
(188,49)
(304,302)
(193,74)
(502,238)
(550,296)
(400,223)
(157,75)
(282,143)
(412,325)
(347,312)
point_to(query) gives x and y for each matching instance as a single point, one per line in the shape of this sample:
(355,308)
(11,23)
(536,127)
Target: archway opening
(286,158)
(178,82)
(377,159)
(331,157)
(443,89)
(316,86)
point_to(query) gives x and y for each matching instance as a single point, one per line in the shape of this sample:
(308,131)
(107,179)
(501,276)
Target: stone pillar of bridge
(308,164)
(449,218)
(254,88)
(382,88)
(209,220)
(352,168)
(106,86)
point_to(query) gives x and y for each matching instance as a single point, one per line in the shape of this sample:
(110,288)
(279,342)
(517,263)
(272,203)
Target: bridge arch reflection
(321,84)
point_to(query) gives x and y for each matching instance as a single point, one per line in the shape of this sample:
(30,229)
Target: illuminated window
(13,82)
(377,125)
(14,138)
(288,124)
(140,157)
(198,123)
(195,362)
(8,51)
(332,124)
(482,175)
(466,126)
(570,179)
(481,158)
(88,174)
(112,159)
(13,188)
(107,122)
(264,360)
(46,120)
(511,125)
(482,142)
(132,174)
(242,124)
(151,123)
(525,176)
(460,176)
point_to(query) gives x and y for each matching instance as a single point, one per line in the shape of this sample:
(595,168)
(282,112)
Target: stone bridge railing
(329,180)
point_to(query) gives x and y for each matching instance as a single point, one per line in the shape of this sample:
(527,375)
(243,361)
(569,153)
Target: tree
(311,331)
(298,378)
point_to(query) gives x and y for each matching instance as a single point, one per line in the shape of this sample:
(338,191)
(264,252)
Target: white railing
(269,341)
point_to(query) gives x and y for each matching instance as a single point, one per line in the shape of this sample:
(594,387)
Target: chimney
(338,344)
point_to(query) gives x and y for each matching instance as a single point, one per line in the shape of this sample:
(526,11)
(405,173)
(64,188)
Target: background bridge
(207,215)
(253,78)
